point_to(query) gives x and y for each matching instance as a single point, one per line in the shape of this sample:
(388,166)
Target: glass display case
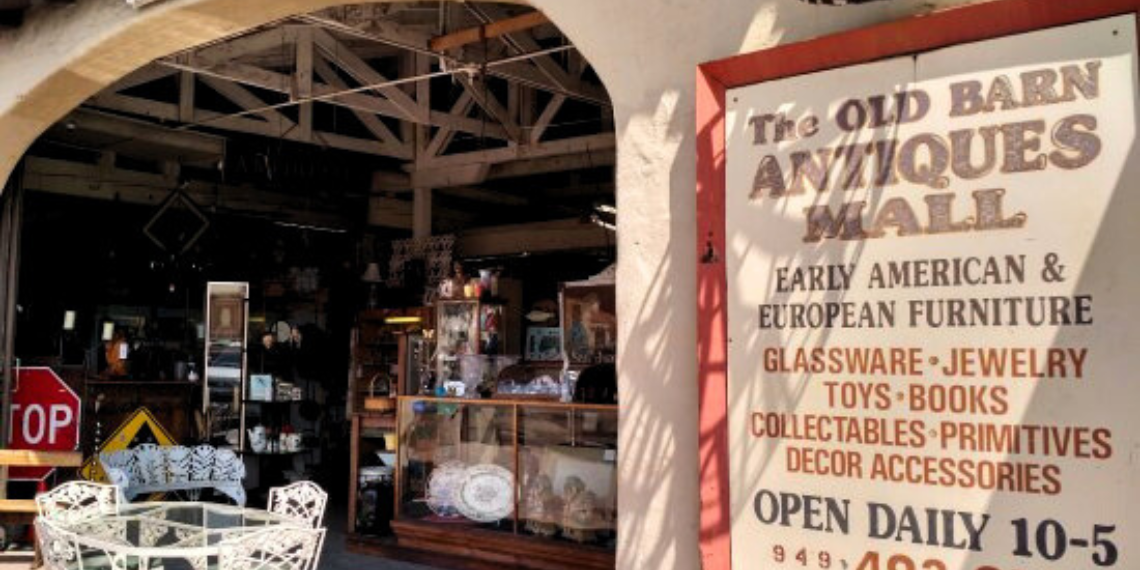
(542,469)
(465,329)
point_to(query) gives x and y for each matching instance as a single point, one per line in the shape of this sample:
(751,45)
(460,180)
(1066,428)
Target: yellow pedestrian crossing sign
(140,427)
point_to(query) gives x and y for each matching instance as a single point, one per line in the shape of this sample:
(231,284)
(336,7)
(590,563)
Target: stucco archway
(88,48)
(646,55)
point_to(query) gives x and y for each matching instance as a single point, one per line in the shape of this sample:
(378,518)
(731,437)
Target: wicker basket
(374,403)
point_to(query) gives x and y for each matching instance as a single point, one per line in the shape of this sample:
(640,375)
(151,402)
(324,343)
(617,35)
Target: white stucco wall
(646,52)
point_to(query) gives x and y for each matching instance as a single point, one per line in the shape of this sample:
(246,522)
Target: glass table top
(189,531)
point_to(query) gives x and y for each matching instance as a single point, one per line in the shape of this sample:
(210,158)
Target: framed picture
(458,329)
(261,387)
(457,334)
(589,323)
(227,316)
(543,343)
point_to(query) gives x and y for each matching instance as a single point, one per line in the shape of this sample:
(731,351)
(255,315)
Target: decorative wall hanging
(436,253)
(177,225)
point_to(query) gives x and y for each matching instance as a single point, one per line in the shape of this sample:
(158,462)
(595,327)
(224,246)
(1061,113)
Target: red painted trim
(712,320)
(912,35)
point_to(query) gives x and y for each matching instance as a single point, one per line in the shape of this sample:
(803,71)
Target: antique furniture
(77,500)
(149,468)
(276,548)
(527,483)
(589,319)
(205,535)
(390,357)
(226,341)
(465,329)
(382,343)
(303,500)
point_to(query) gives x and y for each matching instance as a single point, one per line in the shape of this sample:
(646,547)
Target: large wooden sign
(927,267)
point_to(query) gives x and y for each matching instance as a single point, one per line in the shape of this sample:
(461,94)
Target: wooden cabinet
(379,354)
(372,433)
(385,347)
(522,484)
(466,329)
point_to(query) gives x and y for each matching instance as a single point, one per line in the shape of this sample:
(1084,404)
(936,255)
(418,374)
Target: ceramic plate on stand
(486,493)
(443,488)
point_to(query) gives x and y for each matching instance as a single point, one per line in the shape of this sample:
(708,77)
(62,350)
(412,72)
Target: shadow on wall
(654,107)
(648,66)
(1106,264)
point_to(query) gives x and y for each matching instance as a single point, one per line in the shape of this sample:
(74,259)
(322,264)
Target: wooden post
(421,213)
(304,81)
(11,219)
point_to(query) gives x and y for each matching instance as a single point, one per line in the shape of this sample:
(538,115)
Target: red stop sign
(45,417)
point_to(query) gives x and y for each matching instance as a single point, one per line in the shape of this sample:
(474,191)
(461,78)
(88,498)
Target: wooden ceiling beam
(551,164)
(243,98)
(545,118)
(483,195)
(473,168)
(95,182)
(369,120)
(444,135)
(169,112)
(389,33)
(143,75)
(137,138)
(478,90)
(488,31)
(599,143)
(343,57)
(523,42)
(245,74)
(280,39)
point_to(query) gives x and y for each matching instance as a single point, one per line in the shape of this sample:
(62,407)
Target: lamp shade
(372,274)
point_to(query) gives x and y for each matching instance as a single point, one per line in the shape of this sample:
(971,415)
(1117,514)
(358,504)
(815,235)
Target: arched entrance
(68,86)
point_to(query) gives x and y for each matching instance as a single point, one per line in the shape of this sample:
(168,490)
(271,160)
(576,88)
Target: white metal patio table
(175,536)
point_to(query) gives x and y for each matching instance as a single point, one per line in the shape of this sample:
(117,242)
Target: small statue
(458,279)
(580,513)
(117,352)
(542,507)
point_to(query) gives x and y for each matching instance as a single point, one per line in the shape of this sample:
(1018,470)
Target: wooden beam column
(421,213)
(186,96)
(11,221)
(303,77)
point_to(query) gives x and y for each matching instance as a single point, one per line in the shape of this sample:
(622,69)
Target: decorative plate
(283,331)
(443,488)
(486,494)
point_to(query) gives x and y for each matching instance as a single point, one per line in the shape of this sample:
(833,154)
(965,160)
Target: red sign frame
(915,34)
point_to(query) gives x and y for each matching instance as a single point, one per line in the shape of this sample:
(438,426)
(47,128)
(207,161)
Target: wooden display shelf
(137,383)
(468,548)
(362,421)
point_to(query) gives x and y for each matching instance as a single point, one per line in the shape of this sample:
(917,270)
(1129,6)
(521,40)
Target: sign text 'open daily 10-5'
(932,269)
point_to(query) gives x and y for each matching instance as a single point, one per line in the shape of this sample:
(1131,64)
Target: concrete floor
(335,557)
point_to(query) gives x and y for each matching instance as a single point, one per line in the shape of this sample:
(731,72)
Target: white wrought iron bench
(150,468)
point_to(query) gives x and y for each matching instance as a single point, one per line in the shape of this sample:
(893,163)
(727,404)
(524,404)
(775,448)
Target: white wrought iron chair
(61,549)
(57,546)
(74,501)
(279,548)
(304,501)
